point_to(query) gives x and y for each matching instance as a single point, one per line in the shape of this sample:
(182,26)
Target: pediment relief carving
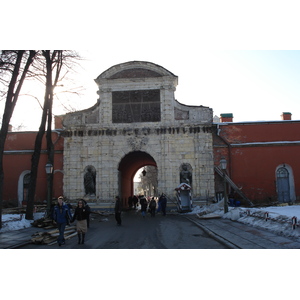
(181,114)
(137,143)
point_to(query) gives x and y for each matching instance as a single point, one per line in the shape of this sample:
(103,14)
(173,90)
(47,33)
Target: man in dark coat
(152,207)
(144,204)
(62,216)
(163,203)
(135,201)
(118,210)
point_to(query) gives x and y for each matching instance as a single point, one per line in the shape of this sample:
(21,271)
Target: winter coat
(144,204)
(62,214)
(163,201)
(152,204)
(80,214)
(87,207)
(118,206)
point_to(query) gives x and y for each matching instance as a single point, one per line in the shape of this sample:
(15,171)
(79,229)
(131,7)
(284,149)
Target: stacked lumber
(50,237)
(46,223)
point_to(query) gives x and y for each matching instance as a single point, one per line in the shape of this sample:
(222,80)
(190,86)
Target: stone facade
(138,121)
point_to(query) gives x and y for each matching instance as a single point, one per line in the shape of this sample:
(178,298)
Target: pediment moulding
(134,69)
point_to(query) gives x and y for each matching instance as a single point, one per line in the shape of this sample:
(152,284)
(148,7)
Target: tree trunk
(46,117)
(34,166)
(11,100)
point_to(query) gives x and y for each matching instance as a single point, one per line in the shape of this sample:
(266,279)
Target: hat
(61,197)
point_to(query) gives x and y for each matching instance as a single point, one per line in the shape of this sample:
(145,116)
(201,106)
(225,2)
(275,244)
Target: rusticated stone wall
(104,134)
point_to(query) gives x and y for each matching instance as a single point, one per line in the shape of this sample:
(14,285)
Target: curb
(17,245)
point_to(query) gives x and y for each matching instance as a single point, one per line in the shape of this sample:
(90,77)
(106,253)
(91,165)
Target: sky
(232,57)
(253,85)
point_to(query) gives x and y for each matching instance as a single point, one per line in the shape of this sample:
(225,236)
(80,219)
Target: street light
(223,164)
(144,172)
(49,170)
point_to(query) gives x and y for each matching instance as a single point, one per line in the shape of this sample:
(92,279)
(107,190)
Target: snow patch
(278,219)
(11,222)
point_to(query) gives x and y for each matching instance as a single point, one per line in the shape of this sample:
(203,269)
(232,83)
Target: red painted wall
(17,159)
(253,166)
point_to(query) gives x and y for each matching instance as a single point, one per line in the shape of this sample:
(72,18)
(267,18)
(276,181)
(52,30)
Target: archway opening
(145,182)
(128,167)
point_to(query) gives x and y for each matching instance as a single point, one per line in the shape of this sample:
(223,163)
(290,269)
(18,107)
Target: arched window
(282,173)
(23,185)
(283,185)
(26,180)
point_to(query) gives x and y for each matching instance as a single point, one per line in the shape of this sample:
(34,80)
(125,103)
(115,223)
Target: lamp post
(223,164)
(49,170)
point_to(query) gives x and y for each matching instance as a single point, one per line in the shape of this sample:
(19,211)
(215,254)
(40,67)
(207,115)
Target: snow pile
(278,219)
(209,210)
(12,222)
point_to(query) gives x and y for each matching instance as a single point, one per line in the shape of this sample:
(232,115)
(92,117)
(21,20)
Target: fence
(266,216)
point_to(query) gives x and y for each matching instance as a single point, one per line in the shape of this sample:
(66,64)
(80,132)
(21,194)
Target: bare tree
(14,67)
(54,65)
(149,180)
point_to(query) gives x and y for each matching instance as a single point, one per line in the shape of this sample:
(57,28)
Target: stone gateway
(136,122)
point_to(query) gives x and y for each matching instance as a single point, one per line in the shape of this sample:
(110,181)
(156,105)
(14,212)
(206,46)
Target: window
(136,106)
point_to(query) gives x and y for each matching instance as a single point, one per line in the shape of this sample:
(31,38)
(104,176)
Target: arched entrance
(283,186)
(285,183)
(128,166)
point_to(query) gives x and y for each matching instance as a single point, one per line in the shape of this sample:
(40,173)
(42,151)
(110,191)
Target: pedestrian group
(62,216)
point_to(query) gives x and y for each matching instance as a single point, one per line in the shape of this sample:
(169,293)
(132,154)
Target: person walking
(88,211)
(135,201)
(118,210)
(163,203)
(61,216)
(152,207)
(81,216)
(144,204)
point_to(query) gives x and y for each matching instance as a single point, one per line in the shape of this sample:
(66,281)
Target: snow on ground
(277,219)
(12,222)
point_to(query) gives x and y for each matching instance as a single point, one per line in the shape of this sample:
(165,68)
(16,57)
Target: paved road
(136,232)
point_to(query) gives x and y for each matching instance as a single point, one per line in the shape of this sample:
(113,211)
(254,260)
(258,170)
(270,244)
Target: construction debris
(50,237)
(46,223)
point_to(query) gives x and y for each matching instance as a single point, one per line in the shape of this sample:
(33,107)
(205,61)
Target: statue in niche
(186,175)
(90,181)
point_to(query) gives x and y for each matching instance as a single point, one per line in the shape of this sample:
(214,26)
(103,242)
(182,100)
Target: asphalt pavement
(232,234)
(237,235)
